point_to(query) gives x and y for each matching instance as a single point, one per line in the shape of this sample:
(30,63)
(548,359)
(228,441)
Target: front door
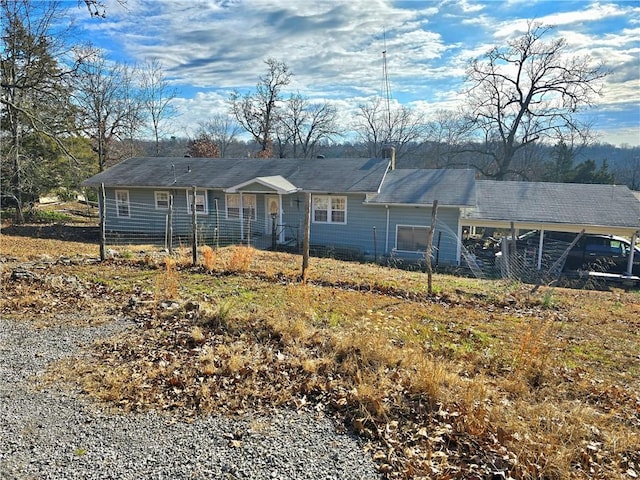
(272,211)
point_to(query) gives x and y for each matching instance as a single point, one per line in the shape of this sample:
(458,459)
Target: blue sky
(334,49)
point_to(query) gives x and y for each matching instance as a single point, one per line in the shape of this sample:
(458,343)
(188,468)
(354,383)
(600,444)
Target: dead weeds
(482,380)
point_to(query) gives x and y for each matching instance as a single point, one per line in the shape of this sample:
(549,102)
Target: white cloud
(334,47)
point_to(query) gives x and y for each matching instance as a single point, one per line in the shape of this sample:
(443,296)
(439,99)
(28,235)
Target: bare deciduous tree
(220,129)
(257,112)
(109,103)
(97,8)
(525,92)
(376,127)
(305,125)
(157,95)
(444,133)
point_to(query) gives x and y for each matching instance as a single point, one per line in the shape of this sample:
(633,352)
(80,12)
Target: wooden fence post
(103,223)
(305,240)
(194,226)
(217,227)
(434,213)
(170,222)
(375,245)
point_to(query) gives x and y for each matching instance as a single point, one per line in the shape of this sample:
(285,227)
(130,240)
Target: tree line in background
(68,112)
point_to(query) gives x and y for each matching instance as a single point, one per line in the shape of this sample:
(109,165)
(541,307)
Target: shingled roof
(555,205)
(352,175)
(423,187)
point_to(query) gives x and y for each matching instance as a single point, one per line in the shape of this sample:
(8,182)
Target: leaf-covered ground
(484,379)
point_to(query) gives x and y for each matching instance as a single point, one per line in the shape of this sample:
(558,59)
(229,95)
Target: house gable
(273,184)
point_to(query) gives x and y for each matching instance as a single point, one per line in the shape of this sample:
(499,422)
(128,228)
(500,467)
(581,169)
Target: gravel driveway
(58,434)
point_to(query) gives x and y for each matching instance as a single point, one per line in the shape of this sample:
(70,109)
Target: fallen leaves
(351,349)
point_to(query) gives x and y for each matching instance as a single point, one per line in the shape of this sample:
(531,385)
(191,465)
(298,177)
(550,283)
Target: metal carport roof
(570,207)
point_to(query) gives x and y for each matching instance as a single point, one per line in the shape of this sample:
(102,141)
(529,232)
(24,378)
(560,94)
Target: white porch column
(280,219)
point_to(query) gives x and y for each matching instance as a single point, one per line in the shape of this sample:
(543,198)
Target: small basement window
(411,238)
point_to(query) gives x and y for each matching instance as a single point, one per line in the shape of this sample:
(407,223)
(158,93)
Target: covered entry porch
(266,196)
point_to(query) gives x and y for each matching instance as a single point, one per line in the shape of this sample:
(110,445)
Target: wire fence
(525,263)
(173,228)
(397,242)
(400,241)
(500,258)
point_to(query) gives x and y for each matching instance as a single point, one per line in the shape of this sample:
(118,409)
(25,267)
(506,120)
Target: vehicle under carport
(575,209)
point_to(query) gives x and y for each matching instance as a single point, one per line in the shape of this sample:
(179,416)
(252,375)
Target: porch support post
(631,254)
(540,248)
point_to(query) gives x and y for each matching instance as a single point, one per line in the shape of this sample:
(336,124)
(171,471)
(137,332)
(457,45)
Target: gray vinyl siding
(445,237)
(145,219)
(358,231)
(143,216)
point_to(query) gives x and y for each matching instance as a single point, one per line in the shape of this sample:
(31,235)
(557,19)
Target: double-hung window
(122,203)
(201,201)
(411,238)
(162,200)
(329,209)
(249,209)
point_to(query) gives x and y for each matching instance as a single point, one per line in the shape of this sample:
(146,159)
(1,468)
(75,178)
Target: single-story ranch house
(363,204)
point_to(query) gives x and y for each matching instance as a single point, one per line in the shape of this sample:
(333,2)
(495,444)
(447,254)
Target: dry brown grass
(27,248)
(168,281)
(210,258)
(240,259)
(484,377)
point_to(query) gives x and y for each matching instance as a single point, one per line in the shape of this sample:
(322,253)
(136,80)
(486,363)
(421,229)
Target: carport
(561,207)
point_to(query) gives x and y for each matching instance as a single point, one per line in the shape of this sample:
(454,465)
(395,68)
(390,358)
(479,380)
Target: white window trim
(119,203)
(329,210)
(199,193)
(398,226)
(162,192)
(241,205)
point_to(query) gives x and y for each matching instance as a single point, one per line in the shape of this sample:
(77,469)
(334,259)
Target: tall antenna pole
(387,91)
